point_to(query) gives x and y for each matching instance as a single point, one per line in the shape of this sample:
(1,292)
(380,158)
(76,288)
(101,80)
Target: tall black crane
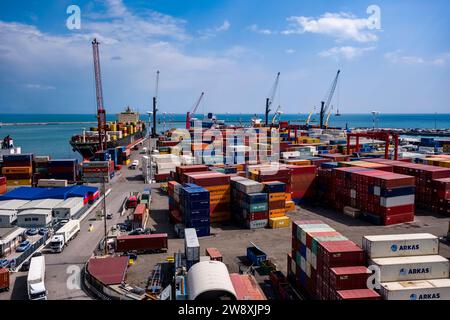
(155,109)
(326,104)
(269,100)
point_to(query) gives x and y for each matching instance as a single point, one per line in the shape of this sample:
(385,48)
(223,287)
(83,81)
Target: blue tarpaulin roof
(29,193)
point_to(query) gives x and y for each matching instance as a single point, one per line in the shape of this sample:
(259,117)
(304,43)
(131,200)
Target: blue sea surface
(53,139)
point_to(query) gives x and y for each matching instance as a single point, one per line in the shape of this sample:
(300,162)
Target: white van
(134,164)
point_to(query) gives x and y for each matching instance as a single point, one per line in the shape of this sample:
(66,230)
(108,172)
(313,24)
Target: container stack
(114,155)
(195,208)
(250,203)
(325,265)
(302,183)
(410,267)
(173,190)
(441,201)
(191,247)
(18,169)
(181,172)
(40,168)
(123,156)
(424,181)
(276,192)
(95,171)
(383,198)
(66,169)
(218,185)
(2,185)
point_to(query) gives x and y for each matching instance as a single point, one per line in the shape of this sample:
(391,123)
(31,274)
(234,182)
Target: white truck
(64,235)
(35,280)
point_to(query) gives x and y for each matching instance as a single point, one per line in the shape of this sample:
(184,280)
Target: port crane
(193,111)
(271,97)
(308,120)
(328,117)
(277,114)
(155,108)
(101,113)
(327,100)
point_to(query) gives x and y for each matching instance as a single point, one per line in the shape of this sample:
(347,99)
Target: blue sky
(230,49)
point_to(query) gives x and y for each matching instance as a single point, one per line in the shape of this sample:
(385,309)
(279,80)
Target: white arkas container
(435,289)
(400,245)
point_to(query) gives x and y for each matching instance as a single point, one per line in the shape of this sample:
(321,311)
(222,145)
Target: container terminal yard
(210,211)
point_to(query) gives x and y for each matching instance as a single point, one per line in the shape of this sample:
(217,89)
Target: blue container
(197,223)
(203,231)
(397,192)
(329,165)
(62,163)
(275,187)
(303,250)
(18,157)
(256,255)
(197,213)
(255,198)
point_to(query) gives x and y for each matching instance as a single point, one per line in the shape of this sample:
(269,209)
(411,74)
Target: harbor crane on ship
(277,115)
(101,113)
(308,120)
(328,117)
(271,97)
(325,104)
(193,111)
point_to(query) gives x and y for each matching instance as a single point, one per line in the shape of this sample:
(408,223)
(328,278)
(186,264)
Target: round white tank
(210,280)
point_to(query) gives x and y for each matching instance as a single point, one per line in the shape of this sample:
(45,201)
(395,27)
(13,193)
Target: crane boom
(326,104)
(194,110)
(277,113)
(271,97)
(308,120)
(101,114)
(328,117)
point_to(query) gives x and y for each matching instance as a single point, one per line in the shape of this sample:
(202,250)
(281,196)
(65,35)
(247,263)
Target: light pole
(104,214)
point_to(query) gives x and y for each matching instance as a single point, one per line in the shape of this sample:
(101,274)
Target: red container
(208,179)
(388,211)
(145,242)
(2,181)
(341,254)
(347,278)
(4,279)
(251,216)
(311,235)
(398,218)
(358,294)
(214,254)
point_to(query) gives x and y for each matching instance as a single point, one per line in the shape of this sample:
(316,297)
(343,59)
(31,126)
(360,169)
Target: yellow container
(22,182)
(278,196)
(17,170)
(290,206)
(277,213)
(281,222)
(127,162)
(445,164)
(288,196)
(225,187)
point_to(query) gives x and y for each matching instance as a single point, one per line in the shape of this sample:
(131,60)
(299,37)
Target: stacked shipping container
(66,169)
(195,208)
(326,265)
(2,185)
(276,192)
(18,169)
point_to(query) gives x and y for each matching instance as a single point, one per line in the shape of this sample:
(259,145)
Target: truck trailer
(35,280)
(66,233)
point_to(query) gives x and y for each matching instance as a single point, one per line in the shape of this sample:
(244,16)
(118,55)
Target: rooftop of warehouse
(41,204)
(29,193)
(40,212)
(109,270)
(9,233)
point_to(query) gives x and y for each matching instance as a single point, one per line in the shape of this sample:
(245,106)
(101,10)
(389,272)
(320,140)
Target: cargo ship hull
(88,149)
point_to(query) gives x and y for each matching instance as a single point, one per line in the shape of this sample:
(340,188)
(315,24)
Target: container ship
(126,130)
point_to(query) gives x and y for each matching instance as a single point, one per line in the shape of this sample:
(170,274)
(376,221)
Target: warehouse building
(68,208)
(8,212)
(37,213)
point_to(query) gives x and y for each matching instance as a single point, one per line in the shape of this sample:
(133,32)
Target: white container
(400,245)
(257,224)
(435,289)
(312,228)
(397,201)
(191,245)
(412,268)
(50,183)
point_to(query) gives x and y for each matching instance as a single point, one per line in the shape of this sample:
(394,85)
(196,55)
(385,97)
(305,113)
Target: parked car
(23,246)
(109,216)
(4,263)
(43,231)
(32,232)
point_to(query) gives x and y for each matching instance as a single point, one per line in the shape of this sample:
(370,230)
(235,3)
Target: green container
(316,240)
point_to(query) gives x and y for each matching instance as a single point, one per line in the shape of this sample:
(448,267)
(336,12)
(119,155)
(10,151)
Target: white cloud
(212,32)
(289,51)
(256,29)
(400,58)
(346,52)
(342,26)
(39,86)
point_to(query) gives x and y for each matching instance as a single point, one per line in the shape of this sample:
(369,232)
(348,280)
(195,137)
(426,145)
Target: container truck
(66,233)
(132,200)
(142,243)
(35,280)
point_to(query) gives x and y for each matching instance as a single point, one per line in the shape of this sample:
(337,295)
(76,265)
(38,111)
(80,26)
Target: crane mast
(326,104)
(155,109)
(269,100)
(194,110)
(101,113)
